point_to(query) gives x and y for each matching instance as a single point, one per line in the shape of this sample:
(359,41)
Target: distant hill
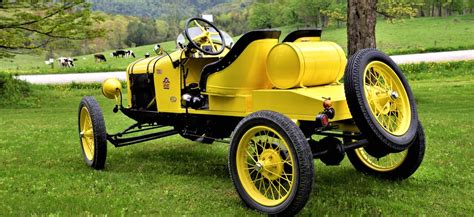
(162,9)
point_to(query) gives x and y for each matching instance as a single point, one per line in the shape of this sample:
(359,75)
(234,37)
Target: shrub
(12,90)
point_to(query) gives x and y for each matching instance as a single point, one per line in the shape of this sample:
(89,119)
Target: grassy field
(42,171)
(407,36)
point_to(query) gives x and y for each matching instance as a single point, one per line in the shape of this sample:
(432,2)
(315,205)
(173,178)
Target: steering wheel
(204,37)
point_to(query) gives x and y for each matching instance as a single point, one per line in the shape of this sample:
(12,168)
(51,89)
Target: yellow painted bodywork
(305,64)
(245,74)
(302,103)
(244,86)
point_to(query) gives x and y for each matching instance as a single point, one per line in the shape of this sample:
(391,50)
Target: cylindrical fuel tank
(305,64)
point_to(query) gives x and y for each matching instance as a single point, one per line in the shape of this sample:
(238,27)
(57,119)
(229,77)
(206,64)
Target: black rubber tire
(360,110)
(100,133)
(299,148)
(411,163)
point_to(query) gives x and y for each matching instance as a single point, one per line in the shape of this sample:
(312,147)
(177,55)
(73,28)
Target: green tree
(141,33)
(161,30)
(262,15)
(26,26)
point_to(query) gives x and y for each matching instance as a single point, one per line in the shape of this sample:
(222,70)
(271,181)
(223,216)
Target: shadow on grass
(186,159)
(342,183)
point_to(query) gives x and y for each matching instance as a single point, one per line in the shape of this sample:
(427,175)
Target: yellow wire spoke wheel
(387,97)
(265,166)
(86,133)
(381,102)
(271,164)
(394,166)
(92,133)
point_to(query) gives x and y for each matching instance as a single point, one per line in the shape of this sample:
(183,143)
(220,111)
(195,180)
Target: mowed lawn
(42,171)
(405,36)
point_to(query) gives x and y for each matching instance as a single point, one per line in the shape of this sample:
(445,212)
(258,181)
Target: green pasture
(407,36)
(42,171)
(34,64)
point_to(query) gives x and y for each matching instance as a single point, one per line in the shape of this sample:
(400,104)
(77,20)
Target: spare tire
(381,102)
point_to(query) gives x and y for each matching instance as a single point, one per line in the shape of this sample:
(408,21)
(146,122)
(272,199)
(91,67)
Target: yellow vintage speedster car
(281,103)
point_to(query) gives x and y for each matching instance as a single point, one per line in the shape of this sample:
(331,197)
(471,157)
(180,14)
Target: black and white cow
(66,61)
(129,53)
(119,53)
(123,53)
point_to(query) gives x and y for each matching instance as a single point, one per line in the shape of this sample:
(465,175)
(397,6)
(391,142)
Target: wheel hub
(259,166)
(270,164)
(394,95)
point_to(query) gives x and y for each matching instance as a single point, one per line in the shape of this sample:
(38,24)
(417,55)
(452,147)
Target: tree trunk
(361,20)
(432,10)
(440,8)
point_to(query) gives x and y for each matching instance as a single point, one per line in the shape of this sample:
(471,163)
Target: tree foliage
(29,25)
(141,33)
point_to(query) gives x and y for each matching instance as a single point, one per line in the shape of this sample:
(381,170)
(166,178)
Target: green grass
(408,36)
(31,64)
(418,35)
(42,171)
(422,71)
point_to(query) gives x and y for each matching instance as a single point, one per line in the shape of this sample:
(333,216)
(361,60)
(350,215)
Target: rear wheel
(271,164)
(92,133)
(393,166)
(381,102)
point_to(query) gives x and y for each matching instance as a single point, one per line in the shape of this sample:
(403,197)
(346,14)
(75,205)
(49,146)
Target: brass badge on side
(166,84)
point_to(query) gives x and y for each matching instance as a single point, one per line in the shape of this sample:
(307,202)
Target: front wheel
(394,166)
(92,133)
(270,163)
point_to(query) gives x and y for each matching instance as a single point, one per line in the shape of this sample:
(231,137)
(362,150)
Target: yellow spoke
(250,164)
(255,146)
(266,189)
(258,144)
(88,143)
(260,185)
(283,187)
(199,25)
(276,189)
(391,85)
(288,162)
(259,179)
(251,156)
(88,122)
(212,44)
(271,189)
(88,133)
(250,168)
(279,176)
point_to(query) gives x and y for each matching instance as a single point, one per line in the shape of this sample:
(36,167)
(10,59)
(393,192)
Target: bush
(12,90)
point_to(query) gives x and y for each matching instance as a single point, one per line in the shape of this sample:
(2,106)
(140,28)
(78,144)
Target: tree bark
(361,20)
(440,8)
